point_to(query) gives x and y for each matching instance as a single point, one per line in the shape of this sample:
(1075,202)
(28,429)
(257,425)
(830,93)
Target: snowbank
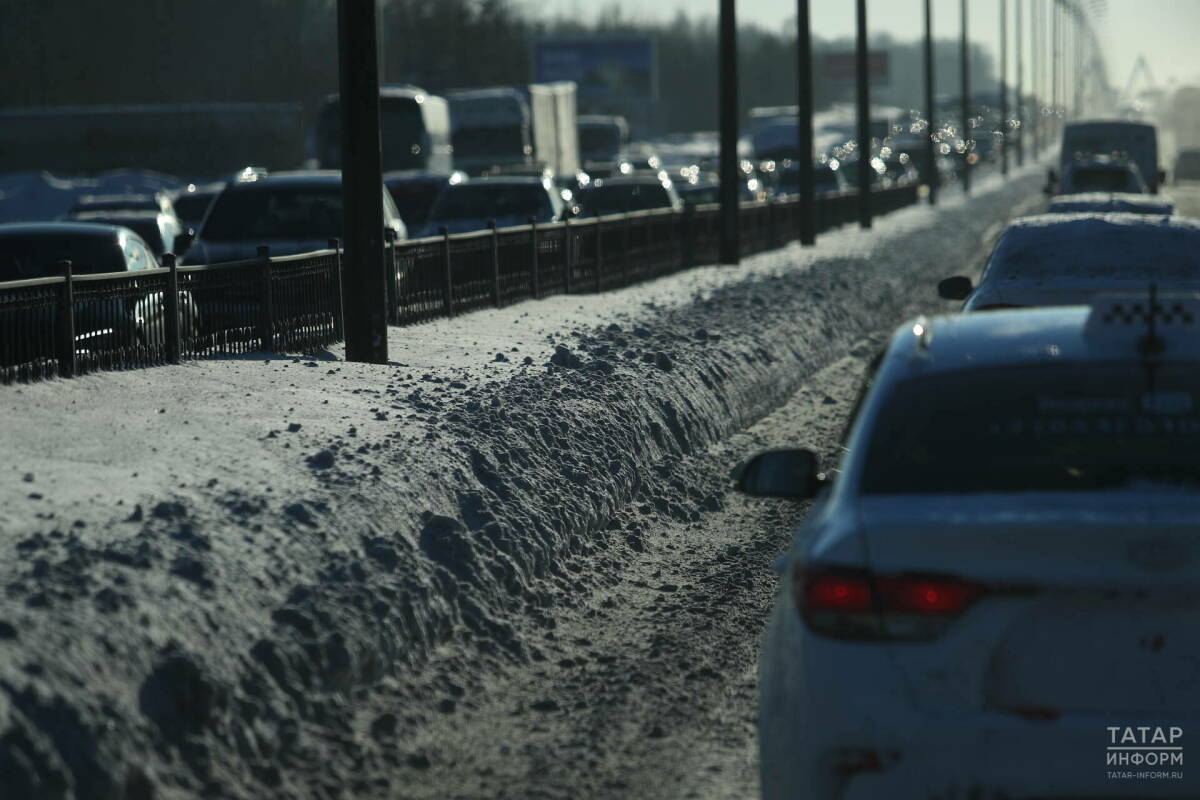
(208,566)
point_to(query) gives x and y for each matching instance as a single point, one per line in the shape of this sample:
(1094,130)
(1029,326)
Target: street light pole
(1004,126)
(804,102)
(365,272)
(864,120)
(1037,94)
(730,166)
(930,145)
(1021,116)
(1055,63)
(966,101)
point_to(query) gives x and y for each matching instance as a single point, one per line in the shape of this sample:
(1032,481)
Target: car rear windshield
(145,227)
(1043,428)
(37,256)
(402,128)
(623,198)
(480,201)
(1189,165)
(1103,179)
(277,213)
(1095,250)
(414,199)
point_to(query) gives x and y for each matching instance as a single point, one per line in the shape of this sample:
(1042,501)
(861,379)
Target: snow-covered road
(299,577)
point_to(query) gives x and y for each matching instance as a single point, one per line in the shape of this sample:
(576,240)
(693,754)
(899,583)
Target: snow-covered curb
(207,565)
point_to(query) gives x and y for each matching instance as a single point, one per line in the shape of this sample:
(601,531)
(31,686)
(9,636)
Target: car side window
(864,389)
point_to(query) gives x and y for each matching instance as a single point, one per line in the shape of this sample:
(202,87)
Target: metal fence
(73,324)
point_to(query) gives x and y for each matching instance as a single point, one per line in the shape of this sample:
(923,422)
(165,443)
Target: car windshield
(1044,428)
(414,199)
(481,201)
(621,198)
(277,213)
(38,255)
(193,207)
(1090,249)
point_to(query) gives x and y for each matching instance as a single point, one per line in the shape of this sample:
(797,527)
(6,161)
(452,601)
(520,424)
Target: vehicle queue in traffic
(1004,566)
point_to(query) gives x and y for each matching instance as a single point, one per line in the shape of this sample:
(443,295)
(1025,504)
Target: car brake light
(854,604)
(839,592)
(927,595)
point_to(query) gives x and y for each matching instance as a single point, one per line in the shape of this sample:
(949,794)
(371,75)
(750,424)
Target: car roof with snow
(1097,247)
(1111,202)
(1109,330)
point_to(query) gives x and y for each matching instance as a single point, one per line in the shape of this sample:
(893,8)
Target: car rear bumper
(837,720)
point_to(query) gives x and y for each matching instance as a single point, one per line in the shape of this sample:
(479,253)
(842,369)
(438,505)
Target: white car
(996,594)
(1066,259)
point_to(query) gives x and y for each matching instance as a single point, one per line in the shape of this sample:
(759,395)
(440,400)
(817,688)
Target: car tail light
(855,604)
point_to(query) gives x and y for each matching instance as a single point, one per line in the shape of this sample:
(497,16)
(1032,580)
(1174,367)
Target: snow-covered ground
(269,576)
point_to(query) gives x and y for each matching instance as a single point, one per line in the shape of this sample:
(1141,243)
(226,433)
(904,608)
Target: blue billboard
(604,68)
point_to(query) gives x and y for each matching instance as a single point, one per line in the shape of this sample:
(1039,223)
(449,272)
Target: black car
(127,317)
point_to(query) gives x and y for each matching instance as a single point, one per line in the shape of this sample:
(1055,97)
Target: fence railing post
(599,252)
(495,262)
(687,254)
(66,322)
(339,313)
(266,320)
(568,255)
(171,309)
(393,291)
(447,277)
(535,278)
(626,248)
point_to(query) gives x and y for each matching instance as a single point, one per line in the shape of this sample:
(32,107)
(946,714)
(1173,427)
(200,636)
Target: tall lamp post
(930,111)
(364,273)
(804,102)
(730,166)
(964,47)
(864,119)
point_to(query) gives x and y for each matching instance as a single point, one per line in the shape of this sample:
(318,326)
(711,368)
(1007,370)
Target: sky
(1164,31)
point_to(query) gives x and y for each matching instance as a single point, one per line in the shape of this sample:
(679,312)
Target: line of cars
(1004,567)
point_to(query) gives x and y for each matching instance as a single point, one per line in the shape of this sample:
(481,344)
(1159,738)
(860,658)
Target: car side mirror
(184,241)
(785,474)
(958,287)
(1051,182)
